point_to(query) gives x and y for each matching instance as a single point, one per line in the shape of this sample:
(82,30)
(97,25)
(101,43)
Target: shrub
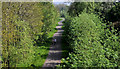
(92,45)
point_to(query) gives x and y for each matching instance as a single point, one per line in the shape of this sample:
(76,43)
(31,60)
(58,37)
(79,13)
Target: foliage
(23,27)
(92,45)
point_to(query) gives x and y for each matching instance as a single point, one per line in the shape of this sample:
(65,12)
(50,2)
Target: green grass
(42,51)
(41,54)
(60,19)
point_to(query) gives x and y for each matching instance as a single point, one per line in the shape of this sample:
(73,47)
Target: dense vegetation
(26,31)
(89,37)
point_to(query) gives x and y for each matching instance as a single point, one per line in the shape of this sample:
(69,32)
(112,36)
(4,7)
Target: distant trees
(76,8)
(95,7)
(108,11)
(114,14)
(63,8)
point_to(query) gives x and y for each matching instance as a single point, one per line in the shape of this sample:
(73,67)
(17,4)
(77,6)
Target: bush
(92,45)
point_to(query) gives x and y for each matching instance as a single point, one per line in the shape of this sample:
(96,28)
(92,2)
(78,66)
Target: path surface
(55,52)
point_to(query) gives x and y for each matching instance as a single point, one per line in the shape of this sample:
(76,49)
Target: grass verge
(60,19)
(41,52)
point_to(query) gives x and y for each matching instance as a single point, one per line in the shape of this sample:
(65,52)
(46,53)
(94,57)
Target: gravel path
(55,52)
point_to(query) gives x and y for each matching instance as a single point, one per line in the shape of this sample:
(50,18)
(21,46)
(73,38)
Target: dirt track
(55,52)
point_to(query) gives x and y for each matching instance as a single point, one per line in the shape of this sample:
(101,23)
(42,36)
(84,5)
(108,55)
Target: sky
(61,3)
